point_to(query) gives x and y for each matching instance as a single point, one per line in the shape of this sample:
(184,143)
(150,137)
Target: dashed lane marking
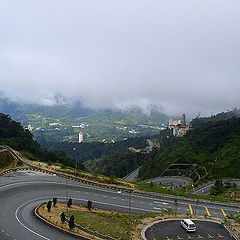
(224,214)
(199,236)
(189,237)
(179,237)
(209,236)
(208,212)
(191,211)
(219,235)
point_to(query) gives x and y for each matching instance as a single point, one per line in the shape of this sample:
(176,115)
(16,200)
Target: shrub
(71,223)
(49,205)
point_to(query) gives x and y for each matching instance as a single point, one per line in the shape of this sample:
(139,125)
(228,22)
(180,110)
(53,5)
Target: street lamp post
(67,193)
(75,161)
(129,212)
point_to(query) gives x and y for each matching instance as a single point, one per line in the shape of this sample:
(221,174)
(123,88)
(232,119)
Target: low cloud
(181,56)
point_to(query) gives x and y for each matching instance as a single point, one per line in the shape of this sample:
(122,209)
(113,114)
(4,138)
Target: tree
(49,205)
(54,202)
(218,187)
(89,205)
(69,203)
(63,217)
(71,223)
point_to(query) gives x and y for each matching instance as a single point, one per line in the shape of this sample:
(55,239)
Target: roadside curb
(177,219)
(56,227)
(67,177)
(86,230)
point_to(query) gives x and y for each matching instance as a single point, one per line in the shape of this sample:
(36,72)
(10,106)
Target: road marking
(16,213)
(200,236)
(191,211)
(238,212)
(179,237)
(224,213)
(209,236)
(169,238)
(158,208)
(189,237)
(208,212)
(160,202)
(219,235)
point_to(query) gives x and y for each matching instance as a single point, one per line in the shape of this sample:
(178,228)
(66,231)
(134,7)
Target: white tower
(80,137)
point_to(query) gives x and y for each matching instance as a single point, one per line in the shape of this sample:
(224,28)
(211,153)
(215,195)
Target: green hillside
(6,159)
(197,122)
(15,136)
(211,150)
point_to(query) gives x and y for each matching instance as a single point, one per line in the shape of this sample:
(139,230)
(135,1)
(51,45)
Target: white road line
(160,203)
(82,185)
(16,216)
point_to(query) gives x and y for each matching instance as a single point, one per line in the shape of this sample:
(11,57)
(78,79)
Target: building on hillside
(183,120)
(80,137)
(179,127)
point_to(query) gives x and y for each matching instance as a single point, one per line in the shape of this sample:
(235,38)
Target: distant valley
(62,123)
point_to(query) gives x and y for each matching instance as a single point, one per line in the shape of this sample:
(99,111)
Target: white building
(80,137)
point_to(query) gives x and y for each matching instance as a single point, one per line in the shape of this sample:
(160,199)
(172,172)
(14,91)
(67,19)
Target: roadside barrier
(234,232)
(68,177)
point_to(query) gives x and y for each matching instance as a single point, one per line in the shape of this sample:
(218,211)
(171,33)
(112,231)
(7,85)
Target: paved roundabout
(172,230)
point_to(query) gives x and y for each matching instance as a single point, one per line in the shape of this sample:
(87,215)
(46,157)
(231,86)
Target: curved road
(21,192)
(206,188)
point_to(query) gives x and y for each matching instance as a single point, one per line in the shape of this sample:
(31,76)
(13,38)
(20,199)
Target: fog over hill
(181,56)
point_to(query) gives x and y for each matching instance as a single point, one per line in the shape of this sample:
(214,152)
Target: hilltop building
(80,137)
(179,128)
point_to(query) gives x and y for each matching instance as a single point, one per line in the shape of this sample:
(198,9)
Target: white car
(188,225)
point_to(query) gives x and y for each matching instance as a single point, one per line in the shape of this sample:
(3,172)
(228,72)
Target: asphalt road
(132,175)
(206,189)
(173,230)
(170,182)
(22,192)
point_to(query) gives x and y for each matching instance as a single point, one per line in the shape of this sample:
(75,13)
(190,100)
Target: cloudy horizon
(182,56)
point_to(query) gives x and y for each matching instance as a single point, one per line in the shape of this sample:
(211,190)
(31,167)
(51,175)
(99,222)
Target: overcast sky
(181,55)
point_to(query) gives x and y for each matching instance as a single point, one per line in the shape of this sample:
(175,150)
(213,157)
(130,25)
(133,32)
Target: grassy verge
(6,161)
(81,174)
(148,187)
(109,223)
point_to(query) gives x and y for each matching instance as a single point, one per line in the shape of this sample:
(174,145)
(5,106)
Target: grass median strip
(110,223)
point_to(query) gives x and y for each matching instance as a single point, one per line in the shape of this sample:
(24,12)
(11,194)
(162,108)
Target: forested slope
(214,145)
(14,135)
